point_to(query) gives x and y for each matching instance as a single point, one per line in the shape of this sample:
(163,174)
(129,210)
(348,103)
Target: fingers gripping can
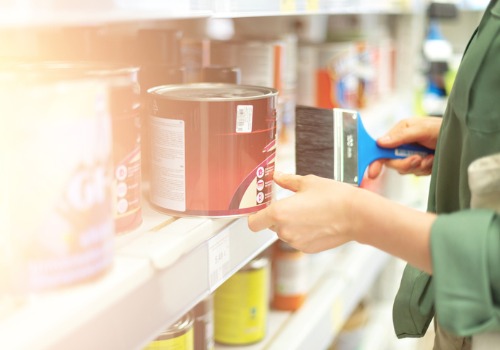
(213,148)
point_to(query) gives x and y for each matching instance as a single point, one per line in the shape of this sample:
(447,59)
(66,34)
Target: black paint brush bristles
(314,141)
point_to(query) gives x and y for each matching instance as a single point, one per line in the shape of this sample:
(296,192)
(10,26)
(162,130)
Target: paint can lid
(212,92)
(180,327)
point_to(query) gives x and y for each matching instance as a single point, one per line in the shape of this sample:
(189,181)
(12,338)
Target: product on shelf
(179,336)
(57,150)
(290,277)
(212,148)
(159,57)
(345,74)
(92,51)
(219,74)
(241,305)
(203,314)
(327,76)
(124,103)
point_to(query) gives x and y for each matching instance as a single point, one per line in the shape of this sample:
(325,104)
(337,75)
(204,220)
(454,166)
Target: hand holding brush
(421,130)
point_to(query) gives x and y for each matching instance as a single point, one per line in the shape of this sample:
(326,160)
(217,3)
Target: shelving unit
(167,265)
(163,272)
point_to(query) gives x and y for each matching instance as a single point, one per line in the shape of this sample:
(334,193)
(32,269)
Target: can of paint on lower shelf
(213,148)
(179,336)
(204,324)
(241,305)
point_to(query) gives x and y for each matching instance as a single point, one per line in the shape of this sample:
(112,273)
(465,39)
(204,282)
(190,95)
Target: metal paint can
(124,102)
(213,148)
(241,305)
(179,336)
(56,130)
(204,324)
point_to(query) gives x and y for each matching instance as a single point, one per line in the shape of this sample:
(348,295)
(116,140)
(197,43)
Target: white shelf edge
(112,13)
(145,283)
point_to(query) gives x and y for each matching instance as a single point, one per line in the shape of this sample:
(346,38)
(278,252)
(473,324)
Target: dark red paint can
(213,148)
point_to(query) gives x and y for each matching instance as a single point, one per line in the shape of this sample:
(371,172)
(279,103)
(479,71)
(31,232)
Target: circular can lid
(212,92)
(257,263)
(178,328)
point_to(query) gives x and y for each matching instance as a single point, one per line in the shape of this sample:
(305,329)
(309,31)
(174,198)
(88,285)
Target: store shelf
(344,278)
(33,16)
(42,13)
(161,272)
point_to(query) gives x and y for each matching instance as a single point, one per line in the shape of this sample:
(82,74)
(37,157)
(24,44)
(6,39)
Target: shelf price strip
(218,258)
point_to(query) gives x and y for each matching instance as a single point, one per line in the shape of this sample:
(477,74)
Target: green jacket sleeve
(465,249)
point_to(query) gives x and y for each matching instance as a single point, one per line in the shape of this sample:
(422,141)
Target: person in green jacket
(456,245)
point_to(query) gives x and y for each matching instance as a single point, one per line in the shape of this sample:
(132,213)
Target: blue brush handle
(369,151)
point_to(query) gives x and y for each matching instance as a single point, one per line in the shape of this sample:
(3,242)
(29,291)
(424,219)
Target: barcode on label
(244,116)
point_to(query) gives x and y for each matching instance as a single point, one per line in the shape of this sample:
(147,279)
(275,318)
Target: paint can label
(241,308)
(125,108)
(60,218)
(181,342)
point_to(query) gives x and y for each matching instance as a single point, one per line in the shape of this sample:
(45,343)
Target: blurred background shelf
(341,279)
(42,13)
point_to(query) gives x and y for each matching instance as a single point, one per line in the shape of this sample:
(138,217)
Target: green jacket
(465,243)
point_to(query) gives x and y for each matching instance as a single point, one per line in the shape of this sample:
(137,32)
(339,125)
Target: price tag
(337,315)
(312,5)
(288,5)
(218,258)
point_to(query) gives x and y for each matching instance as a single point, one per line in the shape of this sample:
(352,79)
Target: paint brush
(355,149)
(326,144)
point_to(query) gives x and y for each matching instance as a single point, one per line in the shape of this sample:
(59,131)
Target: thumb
(288,181)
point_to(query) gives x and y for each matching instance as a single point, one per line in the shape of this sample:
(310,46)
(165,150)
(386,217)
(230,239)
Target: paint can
(204,324)
(122,88)
(179,336)
(213,148)
(124,102)
(241,305)
(58,171)
(290,277)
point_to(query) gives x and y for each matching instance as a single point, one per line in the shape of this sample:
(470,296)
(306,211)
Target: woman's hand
(317,217)
(422,130)
(324,214)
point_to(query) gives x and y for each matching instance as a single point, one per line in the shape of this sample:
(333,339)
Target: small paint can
(57,175)
(213,148)
(204,324)
(241,305)
(179,336)
(290,277)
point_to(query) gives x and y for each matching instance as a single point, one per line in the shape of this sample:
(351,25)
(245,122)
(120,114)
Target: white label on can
(244,116)
(168,168)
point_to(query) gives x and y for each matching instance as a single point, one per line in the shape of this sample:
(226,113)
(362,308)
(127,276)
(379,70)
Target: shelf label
(337,315)
(288,5)
(312,5)
(218,258)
